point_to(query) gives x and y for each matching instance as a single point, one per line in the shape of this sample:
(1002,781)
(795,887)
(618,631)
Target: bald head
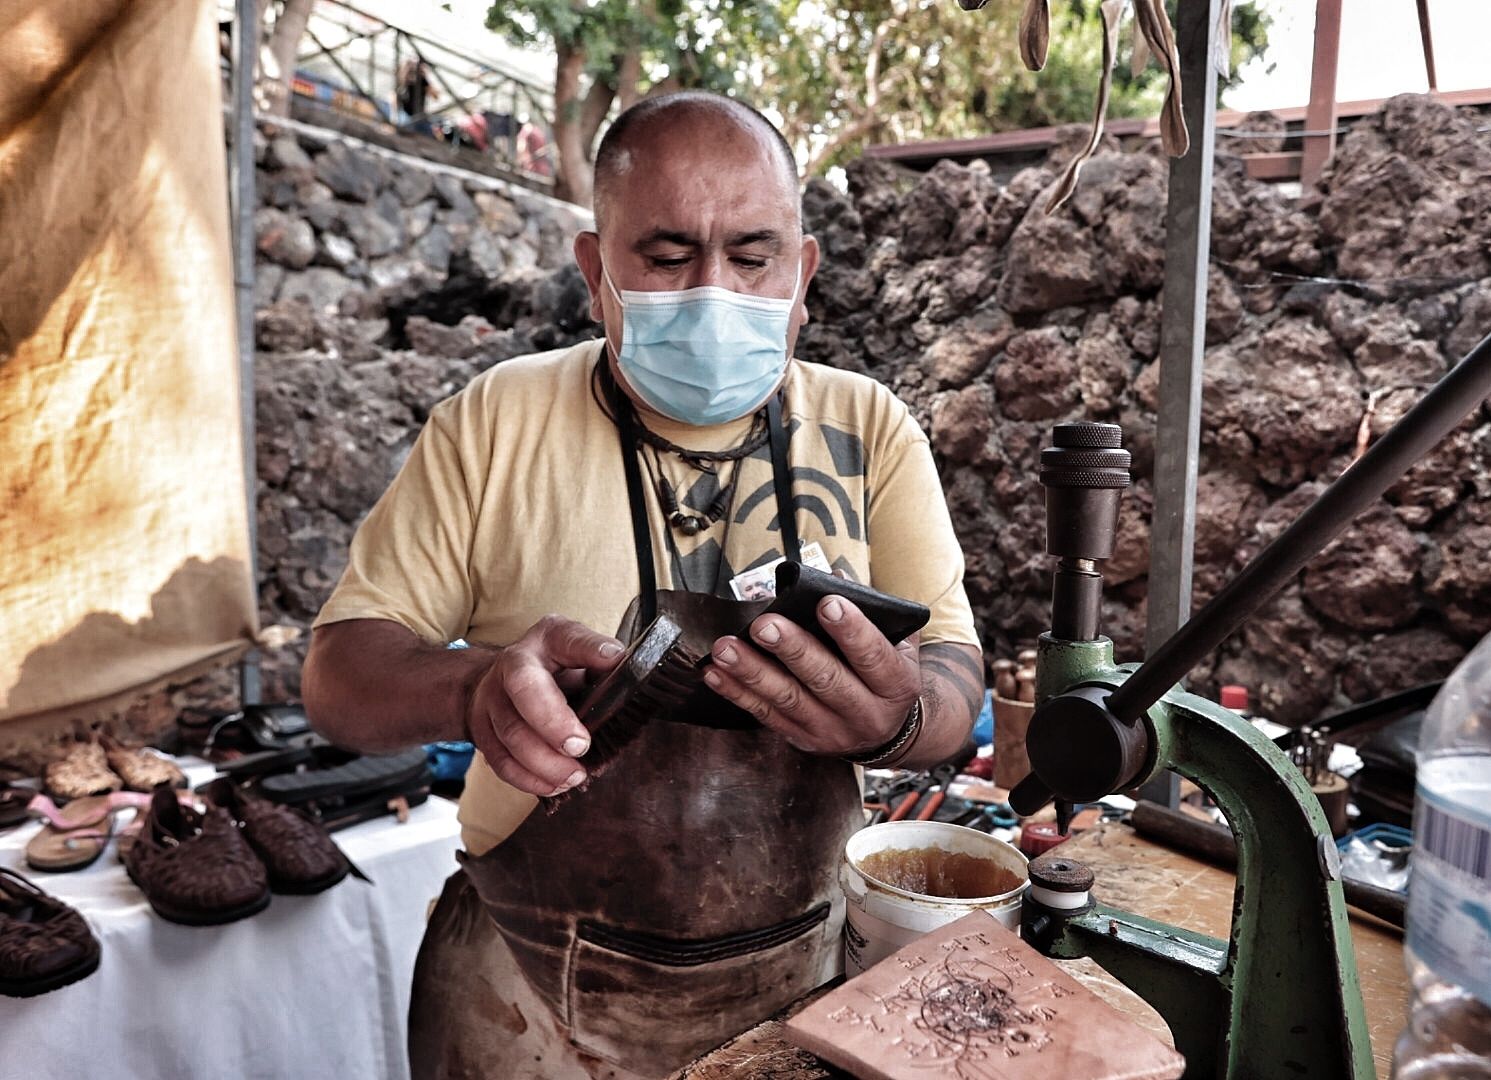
(694,190)
(692,118)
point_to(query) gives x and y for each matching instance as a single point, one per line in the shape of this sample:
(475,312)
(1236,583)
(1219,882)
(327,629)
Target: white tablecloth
(312,988)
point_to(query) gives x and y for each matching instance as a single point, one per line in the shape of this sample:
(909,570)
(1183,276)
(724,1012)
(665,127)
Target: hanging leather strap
(636,495)
(781,478)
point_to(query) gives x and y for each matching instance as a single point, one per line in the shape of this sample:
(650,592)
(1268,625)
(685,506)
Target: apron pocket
(652,1004)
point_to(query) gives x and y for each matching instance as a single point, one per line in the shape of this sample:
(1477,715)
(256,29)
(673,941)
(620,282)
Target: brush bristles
(666,687)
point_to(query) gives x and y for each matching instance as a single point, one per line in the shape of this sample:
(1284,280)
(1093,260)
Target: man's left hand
(816,701)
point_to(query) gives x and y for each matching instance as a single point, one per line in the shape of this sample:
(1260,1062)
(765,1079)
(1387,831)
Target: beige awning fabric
(123,532)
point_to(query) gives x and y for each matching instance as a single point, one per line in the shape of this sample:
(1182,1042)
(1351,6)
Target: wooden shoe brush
(655,675)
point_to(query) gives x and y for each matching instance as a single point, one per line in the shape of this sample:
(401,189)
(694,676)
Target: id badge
(760,583)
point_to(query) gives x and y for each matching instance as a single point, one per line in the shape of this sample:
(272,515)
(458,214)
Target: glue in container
(1448,946)
(882,917)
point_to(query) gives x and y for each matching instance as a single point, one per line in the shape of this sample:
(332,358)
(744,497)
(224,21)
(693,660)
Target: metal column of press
(1182,339)
(241,175)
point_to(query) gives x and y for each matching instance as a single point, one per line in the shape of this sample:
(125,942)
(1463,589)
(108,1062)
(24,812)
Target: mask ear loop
(606,277)
(620,303)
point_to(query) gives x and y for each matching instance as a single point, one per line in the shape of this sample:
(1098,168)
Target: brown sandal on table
(141,769)
(44,943)
(13,800)
(75,835)
(83,771)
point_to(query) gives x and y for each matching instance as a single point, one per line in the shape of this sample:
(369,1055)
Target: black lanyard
(626,425)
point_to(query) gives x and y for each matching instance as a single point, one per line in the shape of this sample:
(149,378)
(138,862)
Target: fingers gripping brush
(655,675)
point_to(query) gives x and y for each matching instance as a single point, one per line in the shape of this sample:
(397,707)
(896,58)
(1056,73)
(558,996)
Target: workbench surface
(1140,876)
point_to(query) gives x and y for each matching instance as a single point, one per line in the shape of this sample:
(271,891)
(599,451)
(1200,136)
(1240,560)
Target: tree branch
(277,56)
(573,177)
(866,110)
(593,112)
(629,78)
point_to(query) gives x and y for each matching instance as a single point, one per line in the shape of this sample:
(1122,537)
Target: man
(691,890)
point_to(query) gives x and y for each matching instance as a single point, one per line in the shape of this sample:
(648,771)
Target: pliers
(938,778)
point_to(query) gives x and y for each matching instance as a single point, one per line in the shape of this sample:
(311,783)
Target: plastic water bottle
(1448,948)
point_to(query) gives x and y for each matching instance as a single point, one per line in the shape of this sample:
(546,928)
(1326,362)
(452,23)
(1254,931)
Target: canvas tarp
(123,531)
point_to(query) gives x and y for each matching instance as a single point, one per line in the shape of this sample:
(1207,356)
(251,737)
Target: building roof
(1033,143)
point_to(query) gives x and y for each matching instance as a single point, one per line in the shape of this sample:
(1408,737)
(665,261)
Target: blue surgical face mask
(706,355)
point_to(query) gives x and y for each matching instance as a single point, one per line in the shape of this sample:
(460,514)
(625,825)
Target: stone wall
(385,285)
(1328,316)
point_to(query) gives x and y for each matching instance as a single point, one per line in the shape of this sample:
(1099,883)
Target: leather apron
(692,890)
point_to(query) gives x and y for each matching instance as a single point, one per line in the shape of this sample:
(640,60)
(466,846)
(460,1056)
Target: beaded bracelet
(899,745)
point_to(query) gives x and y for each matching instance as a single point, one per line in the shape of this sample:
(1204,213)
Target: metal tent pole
(241,175)
(1182,340)
(1320,114)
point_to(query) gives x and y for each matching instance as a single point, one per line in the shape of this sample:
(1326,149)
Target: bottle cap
(1039,837)
(1235,697)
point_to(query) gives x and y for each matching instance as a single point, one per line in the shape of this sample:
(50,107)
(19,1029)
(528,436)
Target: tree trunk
(574,176)
(629,78)
(277,57)
(593,113)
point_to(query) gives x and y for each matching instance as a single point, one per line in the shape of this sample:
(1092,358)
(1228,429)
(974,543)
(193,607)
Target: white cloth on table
(313,987)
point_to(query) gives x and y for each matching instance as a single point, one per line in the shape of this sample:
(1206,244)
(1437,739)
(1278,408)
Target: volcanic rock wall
(1328,317)
(385,285)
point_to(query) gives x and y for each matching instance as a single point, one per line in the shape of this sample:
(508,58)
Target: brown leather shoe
(141,770)
(195,868)
(299,854)
(44,944)
(82,771)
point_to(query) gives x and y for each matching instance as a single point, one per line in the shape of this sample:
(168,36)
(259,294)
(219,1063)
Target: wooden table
(1140,876)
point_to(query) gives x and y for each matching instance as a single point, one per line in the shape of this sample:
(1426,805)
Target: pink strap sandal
(76,834)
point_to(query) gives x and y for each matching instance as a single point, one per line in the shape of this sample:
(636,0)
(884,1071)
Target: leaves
(837,75)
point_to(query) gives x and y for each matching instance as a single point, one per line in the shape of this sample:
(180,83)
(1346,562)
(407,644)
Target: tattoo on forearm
(962,673)
(956,655)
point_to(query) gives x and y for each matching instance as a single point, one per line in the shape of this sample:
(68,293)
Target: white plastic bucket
(882,918)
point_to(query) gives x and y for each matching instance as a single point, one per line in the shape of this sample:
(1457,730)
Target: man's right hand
(517,714)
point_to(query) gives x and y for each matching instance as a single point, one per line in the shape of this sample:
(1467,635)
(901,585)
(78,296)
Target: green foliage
(939,72)
(683,43)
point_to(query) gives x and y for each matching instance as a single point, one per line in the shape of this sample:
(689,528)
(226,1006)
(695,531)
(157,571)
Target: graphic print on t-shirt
(821,456)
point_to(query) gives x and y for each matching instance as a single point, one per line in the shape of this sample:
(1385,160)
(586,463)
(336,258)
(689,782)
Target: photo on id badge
(760,583)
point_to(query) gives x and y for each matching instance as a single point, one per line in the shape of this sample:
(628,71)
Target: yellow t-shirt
(513,504)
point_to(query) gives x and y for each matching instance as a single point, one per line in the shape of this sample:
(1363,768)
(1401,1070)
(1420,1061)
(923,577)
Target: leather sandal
(141,769)
(296,850)
(13,801)
(44,943)
(82,771)
(195,868)
(75,835)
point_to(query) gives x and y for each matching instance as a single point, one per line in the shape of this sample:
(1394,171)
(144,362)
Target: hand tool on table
(1279,997)
(940,776)
(987,817)
(939,794)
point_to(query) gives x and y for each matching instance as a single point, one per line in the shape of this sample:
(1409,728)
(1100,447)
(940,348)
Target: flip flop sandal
(75,835)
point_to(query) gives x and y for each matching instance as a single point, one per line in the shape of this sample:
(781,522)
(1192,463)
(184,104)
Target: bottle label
(1449,897)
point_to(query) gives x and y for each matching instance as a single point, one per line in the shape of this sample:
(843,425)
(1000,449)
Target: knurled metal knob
(1056,873)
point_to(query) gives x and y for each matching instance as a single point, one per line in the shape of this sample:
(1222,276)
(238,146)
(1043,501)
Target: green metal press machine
(1280,998)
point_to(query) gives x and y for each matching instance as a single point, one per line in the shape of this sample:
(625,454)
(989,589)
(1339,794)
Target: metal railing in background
(353,64)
